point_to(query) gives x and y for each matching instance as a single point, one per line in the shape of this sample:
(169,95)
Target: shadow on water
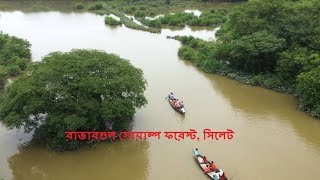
(268,126)
(118,160)
(265,106)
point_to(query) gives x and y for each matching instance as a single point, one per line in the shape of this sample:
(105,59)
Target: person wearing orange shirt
(213,166)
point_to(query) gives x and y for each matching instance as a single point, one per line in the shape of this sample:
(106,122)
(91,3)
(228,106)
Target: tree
(251,17)
(14,55)
(81,90)
(293,62)
(309,90)
(256,53)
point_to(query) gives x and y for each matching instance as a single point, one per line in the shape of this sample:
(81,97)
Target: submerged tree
(82,90)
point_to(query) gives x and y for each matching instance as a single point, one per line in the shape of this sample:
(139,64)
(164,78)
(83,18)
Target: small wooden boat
(203,166)
(180,110)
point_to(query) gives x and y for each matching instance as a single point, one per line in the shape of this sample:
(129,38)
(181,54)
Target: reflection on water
(271,137)
(195,12)
(200,33)
(104,162)
(265,106)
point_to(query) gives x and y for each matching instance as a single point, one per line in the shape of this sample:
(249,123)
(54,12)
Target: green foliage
(128,10)
(79,6)
(201,53)
(81,90)
(268,43)
(132,8)
(140,14)
(3,75)
(151,13)
(294,21)
(210,18)
(143,8)
(186,53)
(14,56)
(223,0)
(111,21)
(256,53)
(309,90)
(129,23)
(95,6)
(293,62)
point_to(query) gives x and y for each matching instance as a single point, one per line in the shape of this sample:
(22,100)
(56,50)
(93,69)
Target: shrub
(139,14)
(111,21)
(309,90)
(79,6)
(95,6)
(186,53)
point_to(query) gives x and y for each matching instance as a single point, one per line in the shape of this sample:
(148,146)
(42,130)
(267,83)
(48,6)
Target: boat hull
(199,161)
(182,110)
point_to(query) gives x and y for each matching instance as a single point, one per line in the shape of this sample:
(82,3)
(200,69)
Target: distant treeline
(223,0)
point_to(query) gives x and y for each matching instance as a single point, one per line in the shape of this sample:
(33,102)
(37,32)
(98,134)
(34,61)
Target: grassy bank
(213,17)
(140,9)
(200,53)
(125,20)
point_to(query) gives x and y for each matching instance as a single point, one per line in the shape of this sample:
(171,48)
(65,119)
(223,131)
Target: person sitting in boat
(223,176)
(177,104)
(221,173)
(171,97)
(181,104)
(216,175)
(196,153)
(204,160)
(207,169)
(173,102)
(213,166)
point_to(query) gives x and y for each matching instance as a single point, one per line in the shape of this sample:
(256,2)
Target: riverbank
(264,52)
(129,12)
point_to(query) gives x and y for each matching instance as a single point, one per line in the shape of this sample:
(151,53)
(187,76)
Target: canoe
(203,166)
(199,160)
(180,110)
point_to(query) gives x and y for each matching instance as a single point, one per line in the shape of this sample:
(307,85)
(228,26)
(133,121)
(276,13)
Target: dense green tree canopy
(14,55)
(268,43)
(256,53)
(309,90)
(78,90)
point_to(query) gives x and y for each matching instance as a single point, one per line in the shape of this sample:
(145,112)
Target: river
(272,140)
